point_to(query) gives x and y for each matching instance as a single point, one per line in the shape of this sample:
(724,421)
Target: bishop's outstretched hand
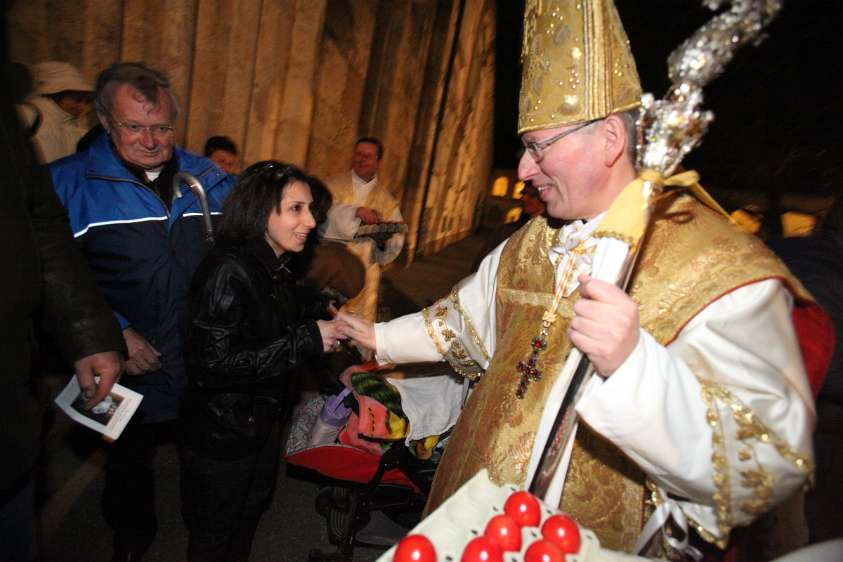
(359,329)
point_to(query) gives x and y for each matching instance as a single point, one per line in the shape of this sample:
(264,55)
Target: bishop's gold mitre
(577,65)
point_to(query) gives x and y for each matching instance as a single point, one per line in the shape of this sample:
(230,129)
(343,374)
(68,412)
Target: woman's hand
(360,330)
(331,331)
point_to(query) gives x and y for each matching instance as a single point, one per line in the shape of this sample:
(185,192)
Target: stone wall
(299,80)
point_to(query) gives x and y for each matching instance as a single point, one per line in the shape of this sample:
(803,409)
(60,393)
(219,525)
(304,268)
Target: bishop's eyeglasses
(536,148)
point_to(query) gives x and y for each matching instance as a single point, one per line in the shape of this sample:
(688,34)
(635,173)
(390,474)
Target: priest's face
(365,160)
(569,173)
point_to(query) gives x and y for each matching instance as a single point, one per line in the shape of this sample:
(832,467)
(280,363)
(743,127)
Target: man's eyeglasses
(537,148)
(156,130)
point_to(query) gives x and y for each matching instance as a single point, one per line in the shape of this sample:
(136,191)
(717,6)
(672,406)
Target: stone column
(84,33)
(340,80)
(161,35)
(223,70)
(101,41)
(299,80)
(463,149)
(395,83)
(428,117)
(296,115)
(272,59)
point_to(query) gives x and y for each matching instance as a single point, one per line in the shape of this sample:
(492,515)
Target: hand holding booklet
(109,417)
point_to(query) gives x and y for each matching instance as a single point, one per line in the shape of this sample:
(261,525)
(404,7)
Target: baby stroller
(367,478)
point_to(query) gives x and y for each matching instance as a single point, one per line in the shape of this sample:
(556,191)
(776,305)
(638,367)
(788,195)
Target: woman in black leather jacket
(251,325)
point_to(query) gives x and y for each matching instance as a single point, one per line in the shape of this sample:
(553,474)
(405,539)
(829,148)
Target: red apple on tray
(524,508)
(415,548)
(481,549)
(563,532)
(543,551)
(504,532)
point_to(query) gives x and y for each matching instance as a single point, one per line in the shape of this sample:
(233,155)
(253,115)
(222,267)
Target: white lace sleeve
(459,328)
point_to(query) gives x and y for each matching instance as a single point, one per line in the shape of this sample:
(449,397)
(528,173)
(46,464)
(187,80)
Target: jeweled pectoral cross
(529,371)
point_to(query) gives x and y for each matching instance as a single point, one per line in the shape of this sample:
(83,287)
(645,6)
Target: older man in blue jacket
(143,246)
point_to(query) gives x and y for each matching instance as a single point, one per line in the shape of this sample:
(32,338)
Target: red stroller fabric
(350,460)
(343,462)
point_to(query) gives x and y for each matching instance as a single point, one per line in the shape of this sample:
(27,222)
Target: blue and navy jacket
(141,254)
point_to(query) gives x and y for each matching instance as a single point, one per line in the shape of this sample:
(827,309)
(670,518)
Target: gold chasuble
(690,259)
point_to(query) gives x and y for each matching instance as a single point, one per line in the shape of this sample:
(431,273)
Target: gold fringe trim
(455,300)
(750,431)
(431,333)
(455,354)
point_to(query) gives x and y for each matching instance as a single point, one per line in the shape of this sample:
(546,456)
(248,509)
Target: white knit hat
(54,76)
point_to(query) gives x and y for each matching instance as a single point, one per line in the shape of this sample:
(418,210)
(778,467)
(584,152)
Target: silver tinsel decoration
(675,125)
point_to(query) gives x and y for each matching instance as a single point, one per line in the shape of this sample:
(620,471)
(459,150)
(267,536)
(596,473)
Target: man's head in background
(138,110)
(64,84)
(366,158)
(223,152)
(530,201)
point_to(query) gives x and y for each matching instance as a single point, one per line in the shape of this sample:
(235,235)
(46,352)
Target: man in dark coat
(45,280)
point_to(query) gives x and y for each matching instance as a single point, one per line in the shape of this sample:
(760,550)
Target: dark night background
(777,106)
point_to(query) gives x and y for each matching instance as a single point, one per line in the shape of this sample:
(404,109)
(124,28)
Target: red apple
(543,551)
(563,532)
(524,508)
(481,549)
(504,532)
(415,548)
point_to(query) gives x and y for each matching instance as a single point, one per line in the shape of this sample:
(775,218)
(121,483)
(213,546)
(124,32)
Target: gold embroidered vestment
(690,259)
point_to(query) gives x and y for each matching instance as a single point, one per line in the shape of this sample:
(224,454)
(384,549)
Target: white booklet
(109,417)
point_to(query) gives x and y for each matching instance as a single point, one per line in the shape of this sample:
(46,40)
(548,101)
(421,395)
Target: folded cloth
(388,409)
(375,386)
(431,404)
(376,421)
(350,436)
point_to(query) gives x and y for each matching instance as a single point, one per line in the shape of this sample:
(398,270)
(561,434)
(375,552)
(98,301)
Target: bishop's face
(569,174)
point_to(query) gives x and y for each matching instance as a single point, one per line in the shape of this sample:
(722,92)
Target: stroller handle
(199,191)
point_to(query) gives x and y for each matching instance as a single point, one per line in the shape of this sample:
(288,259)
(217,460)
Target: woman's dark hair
(258,193)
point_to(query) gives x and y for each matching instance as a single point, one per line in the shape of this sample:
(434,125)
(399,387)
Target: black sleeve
(73,312)
(217,354)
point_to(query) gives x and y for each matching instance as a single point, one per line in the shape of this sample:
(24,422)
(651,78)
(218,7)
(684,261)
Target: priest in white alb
(360,200)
